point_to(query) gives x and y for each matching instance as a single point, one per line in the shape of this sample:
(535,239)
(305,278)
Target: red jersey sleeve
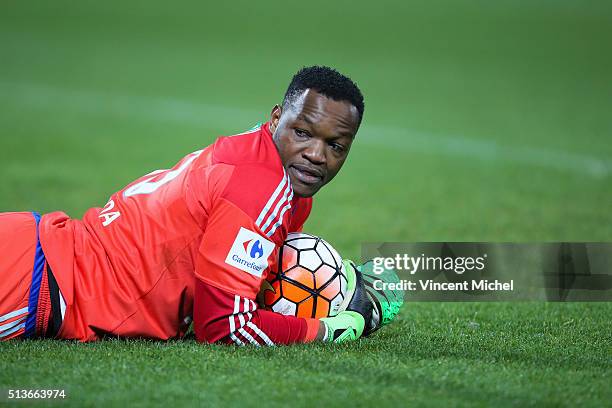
(239,245)
(222,316)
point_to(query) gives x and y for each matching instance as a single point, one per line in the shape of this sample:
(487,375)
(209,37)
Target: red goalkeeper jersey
(190,243)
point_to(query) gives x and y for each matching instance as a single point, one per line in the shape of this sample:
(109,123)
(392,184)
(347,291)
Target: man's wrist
(322,333)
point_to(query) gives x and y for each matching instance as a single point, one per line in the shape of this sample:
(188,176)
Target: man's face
(313,137)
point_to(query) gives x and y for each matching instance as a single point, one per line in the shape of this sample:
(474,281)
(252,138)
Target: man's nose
(315,152)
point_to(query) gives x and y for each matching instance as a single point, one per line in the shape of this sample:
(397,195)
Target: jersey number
(148,186)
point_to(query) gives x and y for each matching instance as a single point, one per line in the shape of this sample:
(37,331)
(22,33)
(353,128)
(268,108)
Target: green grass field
(485,121)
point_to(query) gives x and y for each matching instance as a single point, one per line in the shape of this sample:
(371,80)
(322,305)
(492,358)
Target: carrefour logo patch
(254,248)
(250,252)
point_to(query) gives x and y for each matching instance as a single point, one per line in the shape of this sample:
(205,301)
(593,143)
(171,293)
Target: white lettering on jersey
(107,215)
(250,252)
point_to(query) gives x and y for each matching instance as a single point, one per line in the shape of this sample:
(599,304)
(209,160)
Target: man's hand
(350,323)
(386,302)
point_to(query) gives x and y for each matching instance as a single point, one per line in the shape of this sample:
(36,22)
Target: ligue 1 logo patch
(250,252)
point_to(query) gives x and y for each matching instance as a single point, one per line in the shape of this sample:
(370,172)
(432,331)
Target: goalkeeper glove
(386,303)
(350,323)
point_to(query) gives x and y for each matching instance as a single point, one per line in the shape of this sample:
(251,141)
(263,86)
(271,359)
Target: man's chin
(303,190)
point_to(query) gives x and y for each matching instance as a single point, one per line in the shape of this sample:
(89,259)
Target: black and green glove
(351,322)
(386,302)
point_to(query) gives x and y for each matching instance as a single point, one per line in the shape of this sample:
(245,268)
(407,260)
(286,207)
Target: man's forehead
(313,107)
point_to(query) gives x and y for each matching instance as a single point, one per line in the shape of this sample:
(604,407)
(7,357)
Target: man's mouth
(306,174)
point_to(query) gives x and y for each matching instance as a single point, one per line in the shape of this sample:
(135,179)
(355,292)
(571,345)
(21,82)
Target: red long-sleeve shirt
(191,242)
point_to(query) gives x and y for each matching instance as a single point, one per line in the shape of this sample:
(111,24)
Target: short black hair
(326,81)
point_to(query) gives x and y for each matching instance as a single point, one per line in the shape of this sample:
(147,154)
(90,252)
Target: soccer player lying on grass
(171,247)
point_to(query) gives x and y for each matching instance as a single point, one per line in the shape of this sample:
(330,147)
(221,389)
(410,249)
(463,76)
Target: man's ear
(275,116)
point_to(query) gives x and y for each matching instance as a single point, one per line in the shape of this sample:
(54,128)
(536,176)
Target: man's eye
(301,133)
(337,147)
